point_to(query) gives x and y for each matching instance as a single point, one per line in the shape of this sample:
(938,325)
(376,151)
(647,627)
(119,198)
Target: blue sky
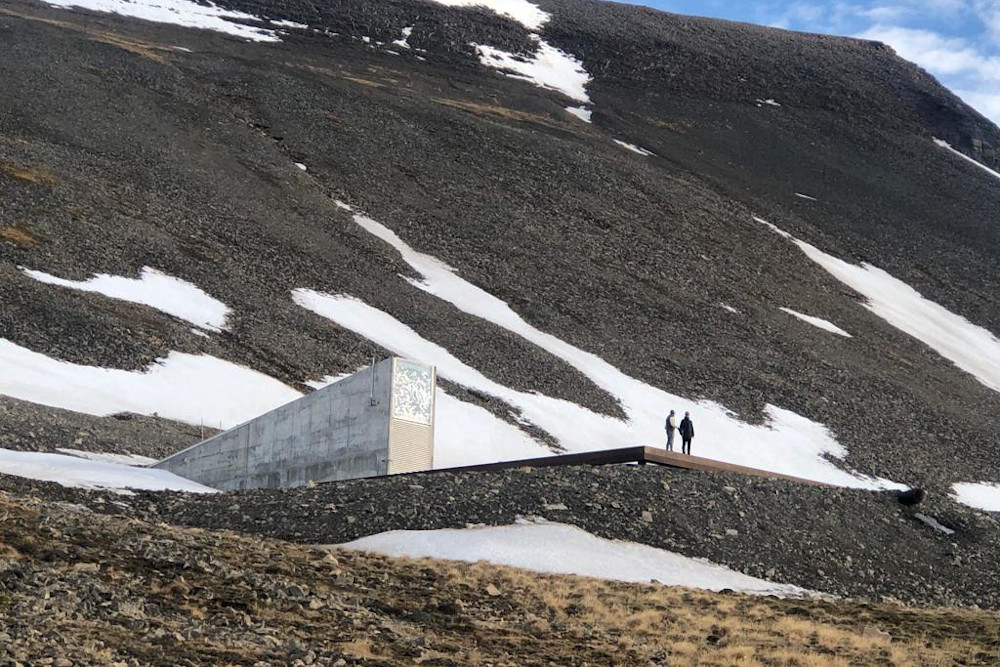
(958,41)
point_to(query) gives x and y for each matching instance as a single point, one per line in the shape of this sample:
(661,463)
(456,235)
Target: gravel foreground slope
(78,588)
(844,542)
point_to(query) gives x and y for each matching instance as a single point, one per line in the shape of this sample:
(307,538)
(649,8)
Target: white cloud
(986,103)
(944,55)
(988,11)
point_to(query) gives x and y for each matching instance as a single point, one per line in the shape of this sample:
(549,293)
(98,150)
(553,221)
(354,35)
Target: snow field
(970,347)
(186,13)
(185,387)
(981,495)
(89,474)
(788,444)
(819,322)
(153,288)
(557,548)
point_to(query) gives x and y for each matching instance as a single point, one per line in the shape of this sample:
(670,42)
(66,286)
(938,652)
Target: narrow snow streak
(819,322)
(76,472)
(186,13)
(945,144)
(789,444)
(633,148)
(562,549)
(807,197)
(970,347)
(152,288)
(981,495)
(184,387)
(289,24)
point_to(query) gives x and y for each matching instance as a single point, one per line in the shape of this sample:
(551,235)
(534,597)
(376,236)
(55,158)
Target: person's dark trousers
(686,446)
(670,440)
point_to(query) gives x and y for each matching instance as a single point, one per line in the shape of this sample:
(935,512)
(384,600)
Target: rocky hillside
(126,144)
(79,588)
(199,224)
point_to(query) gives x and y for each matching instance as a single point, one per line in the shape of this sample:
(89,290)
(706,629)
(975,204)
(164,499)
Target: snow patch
(819,322)
(301,166)
(185,387)
(807,197)
(945,144)
(522,11)
(548,67)
(633,148)
(77,472)
(769,102)
(789,443)
(970,347)
(186,13)
(981,495)
(152,288)
(557,548)
(725,306)
(583,113)
(404,42)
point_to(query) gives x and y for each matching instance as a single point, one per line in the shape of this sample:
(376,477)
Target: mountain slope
(119,150)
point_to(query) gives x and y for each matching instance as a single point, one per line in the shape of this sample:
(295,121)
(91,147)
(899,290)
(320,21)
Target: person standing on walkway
(687,433)
(671,426)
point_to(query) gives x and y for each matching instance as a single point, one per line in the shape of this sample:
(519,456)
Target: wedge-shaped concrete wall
(346,430)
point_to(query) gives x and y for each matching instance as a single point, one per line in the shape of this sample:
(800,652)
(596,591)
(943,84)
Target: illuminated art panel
(413,392)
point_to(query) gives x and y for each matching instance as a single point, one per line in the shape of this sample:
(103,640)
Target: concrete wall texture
(342,431)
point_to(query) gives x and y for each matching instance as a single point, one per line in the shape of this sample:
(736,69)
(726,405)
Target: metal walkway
(638,455)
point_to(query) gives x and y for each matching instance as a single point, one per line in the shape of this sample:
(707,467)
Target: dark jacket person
(687,433)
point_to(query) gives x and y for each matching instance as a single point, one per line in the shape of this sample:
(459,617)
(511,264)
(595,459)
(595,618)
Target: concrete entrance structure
(379,421)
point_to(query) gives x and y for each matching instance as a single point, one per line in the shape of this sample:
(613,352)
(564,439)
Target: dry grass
(145,49)
(500,112)
(28,174)
(148,50)
(700,628)
(364,82)
(17,236)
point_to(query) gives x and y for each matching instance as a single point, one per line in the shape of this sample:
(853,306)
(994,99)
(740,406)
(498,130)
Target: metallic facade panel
(411,446)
